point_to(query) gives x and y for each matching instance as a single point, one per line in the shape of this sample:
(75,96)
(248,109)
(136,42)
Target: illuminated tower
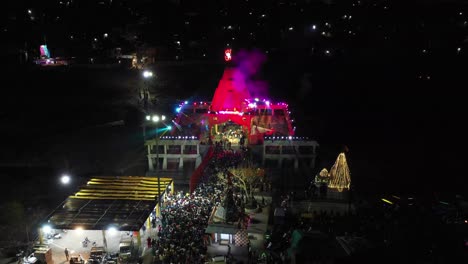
(232,92)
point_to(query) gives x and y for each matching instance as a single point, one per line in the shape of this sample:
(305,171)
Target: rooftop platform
(124,202)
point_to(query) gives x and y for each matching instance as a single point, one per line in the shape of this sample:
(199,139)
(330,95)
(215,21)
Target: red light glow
(228,55)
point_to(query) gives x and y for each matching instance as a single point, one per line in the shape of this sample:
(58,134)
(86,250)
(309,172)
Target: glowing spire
(340,177)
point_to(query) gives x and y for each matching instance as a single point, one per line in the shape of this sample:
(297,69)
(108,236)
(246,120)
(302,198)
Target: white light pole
(156,119)
(146,75)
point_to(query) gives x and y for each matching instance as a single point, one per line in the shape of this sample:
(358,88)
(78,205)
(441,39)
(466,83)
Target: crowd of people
(184,218)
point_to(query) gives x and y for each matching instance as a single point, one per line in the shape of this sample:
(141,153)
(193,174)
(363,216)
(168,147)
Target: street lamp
(47,229)
(146,95)
(44,230)
(147,74)
(112,230)
(65,179)
(155,119)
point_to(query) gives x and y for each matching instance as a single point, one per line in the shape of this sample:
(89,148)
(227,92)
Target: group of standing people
(184,218)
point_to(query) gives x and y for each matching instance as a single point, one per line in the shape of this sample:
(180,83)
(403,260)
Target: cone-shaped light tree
(340,177)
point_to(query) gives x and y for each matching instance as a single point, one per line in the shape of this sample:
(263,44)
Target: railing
(198,173)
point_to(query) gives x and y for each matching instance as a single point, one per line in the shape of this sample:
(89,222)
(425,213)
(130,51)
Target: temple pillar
(181,163)
(164,163)
(150,160)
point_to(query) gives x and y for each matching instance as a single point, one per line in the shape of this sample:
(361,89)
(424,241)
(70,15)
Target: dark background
(400,111)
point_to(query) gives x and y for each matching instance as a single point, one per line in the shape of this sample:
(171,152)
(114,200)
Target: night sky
(384,79)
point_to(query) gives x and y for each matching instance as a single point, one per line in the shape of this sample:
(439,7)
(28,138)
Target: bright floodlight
(46,229)
(65,179)
(148,117)
(112,230)
(147,74)
(169,127)
(155,118)
(163,117)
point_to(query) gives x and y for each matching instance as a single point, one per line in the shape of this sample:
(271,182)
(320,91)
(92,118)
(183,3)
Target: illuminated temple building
(234,119)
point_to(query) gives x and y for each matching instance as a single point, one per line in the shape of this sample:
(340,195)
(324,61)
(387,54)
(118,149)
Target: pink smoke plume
(248,64)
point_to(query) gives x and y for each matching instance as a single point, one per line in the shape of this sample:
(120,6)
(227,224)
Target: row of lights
(194,103)
(155,118)
(286,138)
(179,137)
(251,105)
(201,103)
